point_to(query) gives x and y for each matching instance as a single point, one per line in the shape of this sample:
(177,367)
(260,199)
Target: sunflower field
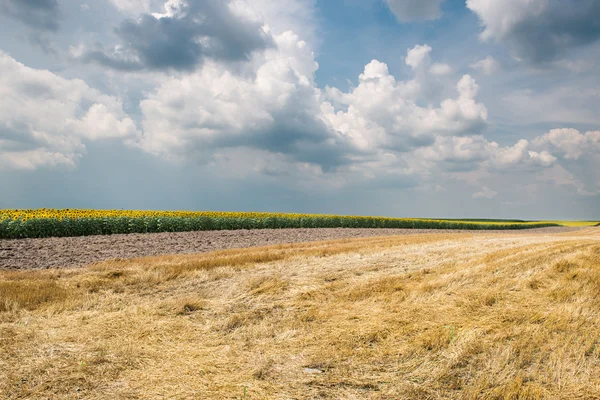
(38,223)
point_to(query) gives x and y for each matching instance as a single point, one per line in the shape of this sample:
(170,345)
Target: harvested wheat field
(432,316)
(61,252)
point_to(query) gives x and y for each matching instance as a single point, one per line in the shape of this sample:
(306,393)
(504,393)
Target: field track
(67,252)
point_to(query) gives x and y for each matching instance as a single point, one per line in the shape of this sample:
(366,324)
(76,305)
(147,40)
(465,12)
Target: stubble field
(67,252)
(431,316)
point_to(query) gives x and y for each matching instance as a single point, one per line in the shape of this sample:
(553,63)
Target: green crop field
(15,224)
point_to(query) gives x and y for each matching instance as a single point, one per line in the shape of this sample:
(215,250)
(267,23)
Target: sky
(405,108)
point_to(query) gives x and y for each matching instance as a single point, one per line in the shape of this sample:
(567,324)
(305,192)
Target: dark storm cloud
(41,15)
(306,140)
(561,26)
(301,138)
(202,29)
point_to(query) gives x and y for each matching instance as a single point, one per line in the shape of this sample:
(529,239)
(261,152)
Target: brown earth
(67,252)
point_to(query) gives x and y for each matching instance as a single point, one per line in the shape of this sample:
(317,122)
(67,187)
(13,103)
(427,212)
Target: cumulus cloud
(278,108)
(45,119)
(456,149)
(415,10)
(418,56)
(440,69)
(570,143)
(427,75)
(476,152)
(288,15)
(183,36)
(519,154)
(275,108)
(488,65)
(38,14)
(382,112)
(267,116)
(539,31)
(485,193)
(560,157)
(134,7)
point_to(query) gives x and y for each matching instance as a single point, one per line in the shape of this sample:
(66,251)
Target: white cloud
(456,149)
(427,83)
(485,193)
(277,107)
(384,113)
(273,107)
(519,154)
(44,119)
(415,10)
(577,158)
(289,15)
(544,158)
(440,69)
(172,9)
(570,143)
(500,18)
(33,159)
(133,6)
(267,116)
(418,56)
(473,152)
(488,65)
(104,121)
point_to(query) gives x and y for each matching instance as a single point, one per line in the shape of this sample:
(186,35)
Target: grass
(575,223)
(412,317)
(517,221)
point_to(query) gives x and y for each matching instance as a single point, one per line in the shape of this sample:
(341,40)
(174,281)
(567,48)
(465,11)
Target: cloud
(274,108)
(440,69)
(475,152)
(281,15)
(45,119)
(485,193)
(578,159)
(415,10)
(418,55)
(488,65)
(518,155)
(134,7)
(184,36)
(539,31)
(570,143)
(557,104)
(40,15)
(559,176)
(384,113)
(298,16)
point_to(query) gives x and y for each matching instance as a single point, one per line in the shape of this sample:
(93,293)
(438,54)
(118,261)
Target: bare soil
(69,252)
